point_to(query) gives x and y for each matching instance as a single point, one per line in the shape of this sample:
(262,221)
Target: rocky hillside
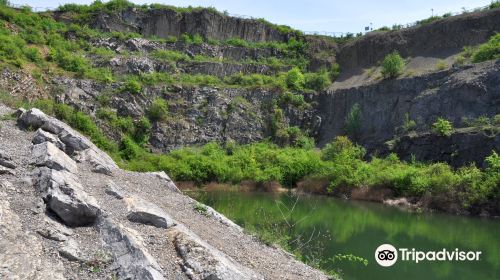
(255,81)
(68,212)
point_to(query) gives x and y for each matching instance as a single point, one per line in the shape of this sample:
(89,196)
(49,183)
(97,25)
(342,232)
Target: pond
(319,228)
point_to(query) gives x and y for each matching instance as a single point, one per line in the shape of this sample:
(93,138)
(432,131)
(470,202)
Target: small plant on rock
(353,121)
(201,208)
(442,127)
(132,86)
(158,110)
(393,65)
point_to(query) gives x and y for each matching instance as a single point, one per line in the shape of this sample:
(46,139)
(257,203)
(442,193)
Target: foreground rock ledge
(73,214)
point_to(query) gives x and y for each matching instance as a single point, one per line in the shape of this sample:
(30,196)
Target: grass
(488,51)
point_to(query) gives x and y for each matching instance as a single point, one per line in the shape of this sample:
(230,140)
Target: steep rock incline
(197,115)
(123,225)
(167,22)
(436,39)
(470,91)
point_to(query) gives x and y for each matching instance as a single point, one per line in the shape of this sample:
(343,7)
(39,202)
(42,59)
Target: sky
(316,15)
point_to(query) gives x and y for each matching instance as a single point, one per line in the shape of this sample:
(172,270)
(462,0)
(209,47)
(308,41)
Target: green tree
(393,65)
(295,79)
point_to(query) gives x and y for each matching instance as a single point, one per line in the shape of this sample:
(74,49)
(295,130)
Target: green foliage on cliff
(317,81)
(295,79)
(442,127)
(158,109)
(489,50)
(340,162)
(494,4)
(393,65)
(132,85)
(353,121)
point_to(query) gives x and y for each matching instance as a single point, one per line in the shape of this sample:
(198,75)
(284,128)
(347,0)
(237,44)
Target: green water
(352,227)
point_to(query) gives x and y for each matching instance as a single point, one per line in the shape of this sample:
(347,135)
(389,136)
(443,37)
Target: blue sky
(318,15)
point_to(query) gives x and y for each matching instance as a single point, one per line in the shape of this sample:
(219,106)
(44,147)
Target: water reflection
(342,227)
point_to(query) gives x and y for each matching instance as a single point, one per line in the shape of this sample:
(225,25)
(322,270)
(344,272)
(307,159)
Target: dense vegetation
(37,43)
(342,164)
(393,65)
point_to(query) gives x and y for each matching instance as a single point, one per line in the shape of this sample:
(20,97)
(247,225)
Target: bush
(296,100)
(158,109)
(169,55)
(441,65)
(141,130)
(408,124)
(496,119)
(393,65)
(317,81)
(489,50)
(494,4)
(237,42)
(442,127)
(190,39)
(334,71)
(341,146)
(295,79)
(132,86)
(353,121)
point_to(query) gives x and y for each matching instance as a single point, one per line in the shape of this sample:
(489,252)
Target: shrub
(132,86)
(295,79)
(342,146)
(489,50)
(189,39)
(496,119)
(158,109)
(169,55)
(442,127)
(141,130)
(353,120)
(129,149)
(494,4)
(33,55)
(317,81)
(334,71)
(237,42)
(393,65)
(441,65)
(289,98)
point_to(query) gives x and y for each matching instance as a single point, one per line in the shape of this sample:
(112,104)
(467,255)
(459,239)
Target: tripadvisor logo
(387,255)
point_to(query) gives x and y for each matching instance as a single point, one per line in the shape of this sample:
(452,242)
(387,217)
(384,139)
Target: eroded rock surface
(66,197)
(141,211)
(87,224)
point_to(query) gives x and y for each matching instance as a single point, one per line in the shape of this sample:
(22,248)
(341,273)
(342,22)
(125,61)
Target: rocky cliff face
(440,38)
(470,91)
(68,212)
(166,22)
(197,115)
